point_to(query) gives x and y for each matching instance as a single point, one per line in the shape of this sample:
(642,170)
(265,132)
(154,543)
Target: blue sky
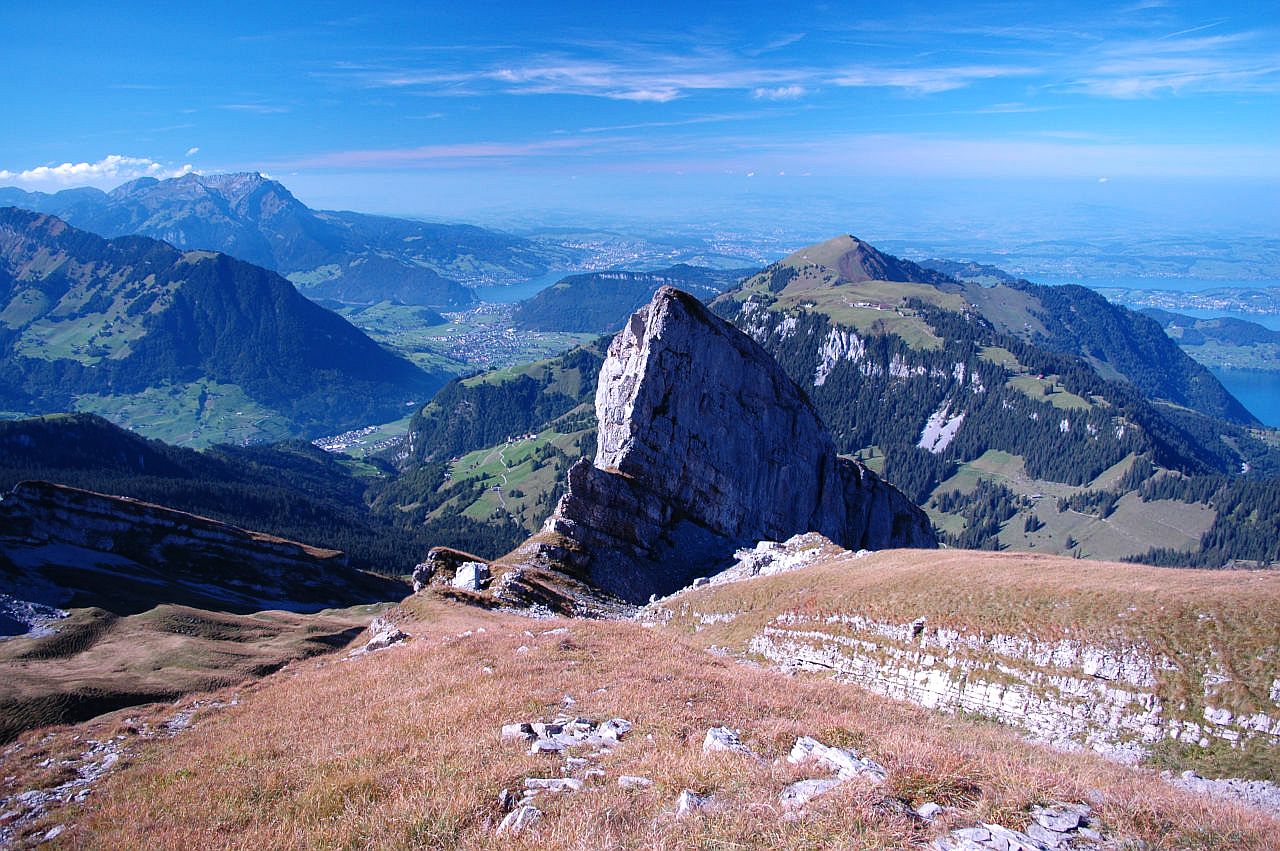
(469,110)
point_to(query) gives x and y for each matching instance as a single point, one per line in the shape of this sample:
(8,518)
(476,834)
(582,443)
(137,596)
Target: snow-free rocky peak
(705,445)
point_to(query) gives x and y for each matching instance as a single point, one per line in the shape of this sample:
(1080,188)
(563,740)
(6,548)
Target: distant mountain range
(84,318)
(349,257)
(1023,416)
(600,302)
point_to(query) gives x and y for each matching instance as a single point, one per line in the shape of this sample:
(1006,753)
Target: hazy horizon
(934,120)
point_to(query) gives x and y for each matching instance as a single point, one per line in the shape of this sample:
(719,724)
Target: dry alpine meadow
(405,747)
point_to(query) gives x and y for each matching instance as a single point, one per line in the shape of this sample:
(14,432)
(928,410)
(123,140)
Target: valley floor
(403,748)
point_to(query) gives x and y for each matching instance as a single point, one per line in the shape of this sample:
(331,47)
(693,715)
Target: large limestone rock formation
(705,445)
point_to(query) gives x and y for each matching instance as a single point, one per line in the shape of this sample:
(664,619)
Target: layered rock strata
(706,445)
(70,547)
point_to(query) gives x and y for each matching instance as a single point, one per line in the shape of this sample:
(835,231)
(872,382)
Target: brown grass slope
(401,749)
(97,661)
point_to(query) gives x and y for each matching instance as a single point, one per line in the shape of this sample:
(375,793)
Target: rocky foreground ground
(454,727)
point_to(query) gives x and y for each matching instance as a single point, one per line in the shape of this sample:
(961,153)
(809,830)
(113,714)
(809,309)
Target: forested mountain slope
(85,320)
(1007,442)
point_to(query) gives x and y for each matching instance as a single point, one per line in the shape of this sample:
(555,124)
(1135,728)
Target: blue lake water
(1266,320)
(1258,391)
(519,292)
(1181,285)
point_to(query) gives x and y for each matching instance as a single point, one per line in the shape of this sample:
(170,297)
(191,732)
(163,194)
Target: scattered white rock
(553,784)
(1062,818)
(615,728)
(690,802)
(929,810)
(522,732)
(471,576)
(567,732)
(724,739)
(630,781)
(97,760)
(987,837)
(519,820)
(1258,793)
(797,794)
(845,762)
(383,634)
(1056,827)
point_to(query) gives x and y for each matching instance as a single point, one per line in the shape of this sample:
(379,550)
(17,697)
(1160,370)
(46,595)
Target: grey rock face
(383,634)
(846,763)
(519,820)
(724,739)
(1258,793)
(472,576)
(797,794)
(706,445)
(1057,827)
(449,567)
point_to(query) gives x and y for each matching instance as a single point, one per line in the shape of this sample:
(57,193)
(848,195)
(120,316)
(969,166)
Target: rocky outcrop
(447,567)
(705,445)
(70,547)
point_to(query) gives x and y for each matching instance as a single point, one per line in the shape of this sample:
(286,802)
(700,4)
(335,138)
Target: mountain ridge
(347,256)
(959,401)
(87,315)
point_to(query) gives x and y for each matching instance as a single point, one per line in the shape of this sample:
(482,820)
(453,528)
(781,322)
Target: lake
(1179,285)
(519,292)
(1258,391)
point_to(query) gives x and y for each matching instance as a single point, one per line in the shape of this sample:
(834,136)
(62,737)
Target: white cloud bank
(108,172)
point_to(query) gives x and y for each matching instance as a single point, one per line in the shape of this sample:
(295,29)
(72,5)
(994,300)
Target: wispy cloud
(258,108)
(192,151)
(927,80)
(778,43)
(779,93)
(1010,108)
(716,118)
(445,155)
(1234,63)
(664,77)
(1051,155)
(111,170)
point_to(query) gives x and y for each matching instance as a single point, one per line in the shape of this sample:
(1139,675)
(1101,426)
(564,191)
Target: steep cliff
(706,445)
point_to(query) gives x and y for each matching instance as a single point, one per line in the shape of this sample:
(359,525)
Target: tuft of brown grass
(401,749)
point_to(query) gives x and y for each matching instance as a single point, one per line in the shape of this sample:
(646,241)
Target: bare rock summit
(706,445)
